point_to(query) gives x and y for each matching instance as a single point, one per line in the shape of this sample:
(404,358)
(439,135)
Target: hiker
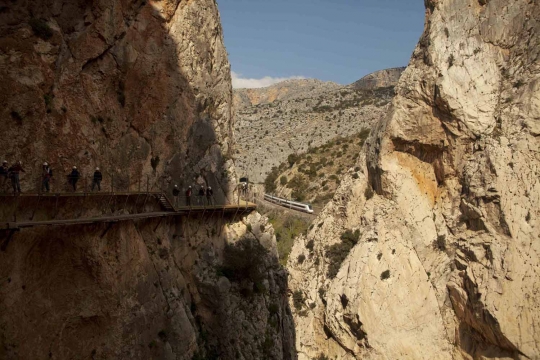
(3,176)
(73,177)
(209,194)
(175,194)
(13,174)
(201,195)
(188,196)
(96,181)
(46,175)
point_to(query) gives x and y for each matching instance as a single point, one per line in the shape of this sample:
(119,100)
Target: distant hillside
(293,116)
(313,177)
(378,79)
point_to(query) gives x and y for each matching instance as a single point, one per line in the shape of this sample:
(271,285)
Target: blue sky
(335,40)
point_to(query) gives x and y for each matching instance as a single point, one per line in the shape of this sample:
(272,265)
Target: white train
(289,204)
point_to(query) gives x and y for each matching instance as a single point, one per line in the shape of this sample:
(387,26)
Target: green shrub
(338,252)
(322,295)
(451,60)
(385,274)
(349,236)
(322,357)
(283,180)
(41,28)
(301,258)
(292,159)
(368,193)
(310,245)
(298,299)
(270,181)
(249,228)
(363,135)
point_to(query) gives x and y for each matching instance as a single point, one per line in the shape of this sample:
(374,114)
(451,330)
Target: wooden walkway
(240,208)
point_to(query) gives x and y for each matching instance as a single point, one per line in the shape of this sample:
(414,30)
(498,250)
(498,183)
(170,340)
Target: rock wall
(138,88)
(142,90)
(151,289)
(381,78)
(445,265)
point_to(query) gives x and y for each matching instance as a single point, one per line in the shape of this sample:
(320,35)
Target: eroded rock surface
(143,90)
(151,289)
(446,264)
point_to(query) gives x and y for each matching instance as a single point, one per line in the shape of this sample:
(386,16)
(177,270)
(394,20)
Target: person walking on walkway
(96,180)
(201,195)
(209,195)
(3,176)
(46,175)
(14,173)
(73,177)
(175,194)
(189,192)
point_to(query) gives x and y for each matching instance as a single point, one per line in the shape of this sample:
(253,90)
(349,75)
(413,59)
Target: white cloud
(238,82)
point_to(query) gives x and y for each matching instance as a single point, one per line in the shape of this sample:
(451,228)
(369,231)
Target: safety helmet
(4,162)
(97,169)
(209,188)
(189,187)
(20,162)
(45,164)
(175,185)
(74,168)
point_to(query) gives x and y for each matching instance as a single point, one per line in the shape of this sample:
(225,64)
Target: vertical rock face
(190,288)
(141,89)
(446,261)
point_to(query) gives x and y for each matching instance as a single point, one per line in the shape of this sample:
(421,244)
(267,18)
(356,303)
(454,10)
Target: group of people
(73,178)
(203,192)
(13,173)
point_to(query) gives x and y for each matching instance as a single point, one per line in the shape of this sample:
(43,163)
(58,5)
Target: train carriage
(289,204)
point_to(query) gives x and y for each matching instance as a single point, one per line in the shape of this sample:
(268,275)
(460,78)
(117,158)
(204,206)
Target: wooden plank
(115,218)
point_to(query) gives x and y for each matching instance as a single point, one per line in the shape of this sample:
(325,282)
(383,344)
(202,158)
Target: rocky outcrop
(293,116)
(152,289)
(444,263)
(138,88)
(378,79)
(143,90)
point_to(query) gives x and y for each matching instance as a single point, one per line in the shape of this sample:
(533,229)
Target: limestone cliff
(143,90)
(432,252)
(138,88)
(381,78)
